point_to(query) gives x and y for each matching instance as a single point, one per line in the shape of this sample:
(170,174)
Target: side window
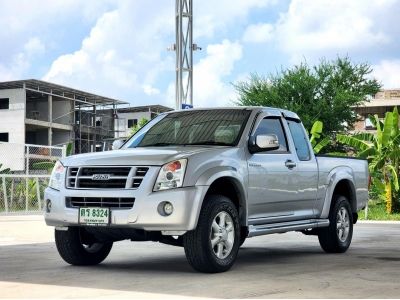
(3,136)
(4,103)
(299,139)
(132,122)
(273,126)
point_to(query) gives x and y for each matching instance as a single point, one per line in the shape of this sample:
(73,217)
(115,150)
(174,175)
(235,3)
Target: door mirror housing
(263,142)
(117,144)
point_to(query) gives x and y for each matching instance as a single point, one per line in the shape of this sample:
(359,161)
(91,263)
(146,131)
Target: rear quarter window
(300,140)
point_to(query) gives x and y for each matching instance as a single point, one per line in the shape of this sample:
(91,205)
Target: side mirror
(264,142)
(117,144)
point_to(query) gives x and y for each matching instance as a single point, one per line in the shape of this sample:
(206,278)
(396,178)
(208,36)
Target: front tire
(213,246)
(77,247)
(337,237)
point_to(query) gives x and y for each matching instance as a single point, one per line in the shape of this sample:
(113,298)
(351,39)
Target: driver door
(271,189)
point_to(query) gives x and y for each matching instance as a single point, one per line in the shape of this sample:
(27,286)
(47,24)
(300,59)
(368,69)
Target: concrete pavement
(278,266)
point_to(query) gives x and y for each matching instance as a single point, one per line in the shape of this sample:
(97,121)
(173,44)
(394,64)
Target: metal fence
(24,174)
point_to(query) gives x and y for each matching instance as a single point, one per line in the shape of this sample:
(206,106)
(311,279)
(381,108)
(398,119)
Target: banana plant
(382,150)
(315,135)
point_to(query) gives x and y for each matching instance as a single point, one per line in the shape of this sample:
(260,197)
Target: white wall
(123,130)
(12,121)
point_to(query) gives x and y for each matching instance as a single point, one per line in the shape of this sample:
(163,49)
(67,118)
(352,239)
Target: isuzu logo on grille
(101,176)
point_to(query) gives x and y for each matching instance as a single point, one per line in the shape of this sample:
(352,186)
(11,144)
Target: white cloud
(315,28)
(149,90)
(122,52)
(212,16)
(17,66)
(20,62)
(211,72)
(29,27)
(19,15)
(388,72)
(258,33)
(34,46)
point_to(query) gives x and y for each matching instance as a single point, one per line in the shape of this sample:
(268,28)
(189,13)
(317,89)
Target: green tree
(140,124)
(325,92)
(383,153)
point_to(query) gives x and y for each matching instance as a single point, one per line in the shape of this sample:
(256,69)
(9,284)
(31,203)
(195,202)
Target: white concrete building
(42,113)
(130,116)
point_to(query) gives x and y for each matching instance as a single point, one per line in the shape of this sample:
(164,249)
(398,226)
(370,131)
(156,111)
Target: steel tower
(184,48)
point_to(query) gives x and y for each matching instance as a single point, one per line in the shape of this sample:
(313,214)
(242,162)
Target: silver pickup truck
(205,179)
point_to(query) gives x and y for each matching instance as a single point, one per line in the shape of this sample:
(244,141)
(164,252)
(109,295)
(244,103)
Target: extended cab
(205,179)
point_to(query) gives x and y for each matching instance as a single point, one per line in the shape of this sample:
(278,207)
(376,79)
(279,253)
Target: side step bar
(255,230)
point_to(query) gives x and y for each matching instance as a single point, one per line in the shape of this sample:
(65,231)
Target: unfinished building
(42,113)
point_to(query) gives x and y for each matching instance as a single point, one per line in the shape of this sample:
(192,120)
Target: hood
(149,156)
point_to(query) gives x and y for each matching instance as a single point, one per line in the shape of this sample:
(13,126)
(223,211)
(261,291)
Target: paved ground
(278,266)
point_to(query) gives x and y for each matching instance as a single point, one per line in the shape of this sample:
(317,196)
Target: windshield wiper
(210,143)
(158,145)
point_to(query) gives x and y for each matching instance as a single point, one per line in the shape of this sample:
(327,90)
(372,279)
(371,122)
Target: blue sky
(118,48)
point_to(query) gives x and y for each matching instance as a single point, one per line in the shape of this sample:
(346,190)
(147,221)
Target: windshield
(198,127)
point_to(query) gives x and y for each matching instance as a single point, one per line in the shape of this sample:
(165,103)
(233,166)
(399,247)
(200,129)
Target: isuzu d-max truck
(205,179)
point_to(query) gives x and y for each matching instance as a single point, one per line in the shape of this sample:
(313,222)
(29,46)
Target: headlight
(171,175)
(56,176)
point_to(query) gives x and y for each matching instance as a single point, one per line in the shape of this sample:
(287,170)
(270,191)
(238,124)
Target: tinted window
(273,126)
(4,103)
(299,139)
(3,136)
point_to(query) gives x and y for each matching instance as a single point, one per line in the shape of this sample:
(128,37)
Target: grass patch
(378,212)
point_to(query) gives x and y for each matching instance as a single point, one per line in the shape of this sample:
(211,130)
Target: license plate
(95,216)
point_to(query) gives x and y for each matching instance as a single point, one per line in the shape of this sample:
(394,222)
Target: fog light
(48,205)
(168,208)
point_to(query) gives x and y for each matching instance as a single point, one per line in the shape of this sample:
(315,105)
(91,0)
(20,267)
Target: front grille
(112,183)
(123,203)
(115,171)
(110,177)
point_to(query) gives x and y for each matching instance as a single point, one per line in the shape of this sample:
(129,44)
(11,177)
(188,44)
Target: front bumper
(144,213)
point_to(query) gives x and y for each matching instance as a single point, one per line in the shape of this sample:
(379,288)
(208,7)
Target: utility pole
(184,48)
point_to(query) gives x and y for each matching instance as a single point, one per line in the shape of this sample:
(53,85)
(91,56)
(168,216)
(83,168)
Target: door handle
(290,164)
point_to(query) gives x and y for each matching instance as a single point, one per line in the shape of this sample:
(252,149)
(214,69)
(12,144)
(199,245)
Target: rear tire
(337,237)
(213,246)
(76,247)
